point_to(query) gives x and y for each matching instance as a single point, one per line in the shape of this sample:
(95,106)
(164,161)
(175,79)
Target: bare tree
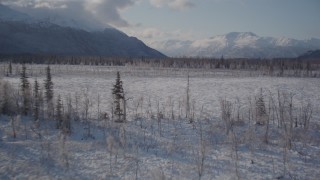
(306,112)
(188,100)
(201,152)
(13,125)
(66,124)
(76,110)
(86,105)
(226,112)
(235,152)
(64,153)
(113,147)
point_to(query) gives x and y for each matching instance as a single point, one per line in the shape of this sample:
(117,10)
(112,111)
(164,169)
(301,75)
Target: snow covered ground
(154,147)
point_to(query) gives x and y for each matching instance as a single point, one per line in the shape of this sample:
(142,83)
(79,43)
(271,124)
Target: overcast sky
(155,20)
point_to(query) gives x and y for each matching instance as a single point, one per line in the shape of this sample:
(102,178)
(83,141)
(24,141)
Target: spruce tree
(7,102)
(260,109)
(36,105)
(10,68)
(25,88)
(59,113)
(48,85)
(118,99)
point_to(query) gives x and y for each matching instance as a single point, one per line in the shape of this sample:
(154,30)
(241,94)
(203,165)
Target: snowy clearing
(158,142)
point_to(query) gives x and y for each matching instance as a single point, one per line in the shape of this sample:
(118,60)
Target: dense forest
(274,67)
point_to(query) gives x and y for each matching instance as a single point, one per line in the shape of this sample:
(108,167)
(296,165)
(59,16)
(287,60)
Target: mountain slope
(21,34)
(7,14)
(311,55)
(239,45)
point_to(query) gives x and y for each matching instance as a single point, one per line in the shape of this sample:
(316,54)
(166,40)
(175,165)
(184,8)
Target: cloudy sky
(157,20)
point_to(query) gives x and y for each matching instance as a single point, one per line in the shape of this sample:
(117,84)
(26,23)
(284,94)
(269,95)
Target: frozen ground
(168,87)
(149,148)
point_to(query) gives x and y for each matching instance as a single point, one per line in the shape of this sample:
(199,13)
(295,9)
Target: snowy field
(150,146)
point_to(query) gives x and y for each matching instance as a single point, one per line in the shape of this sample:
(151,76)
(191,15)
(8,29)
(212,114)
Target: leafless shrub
(112,146)
(201,152)
(158,174)
(64,153)
(226,112)
(235,152)
(306,111)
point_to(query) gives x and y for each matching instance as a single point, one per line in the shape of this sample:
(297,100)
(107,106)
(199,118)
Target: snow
(86,23)
(171,150)
(241,45)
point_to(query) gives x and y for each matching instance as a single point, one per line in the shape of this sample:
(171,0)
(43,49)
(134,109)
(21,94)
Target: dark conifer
(10,68)
(118,99)
(25,88)
(59,113)
(260,109)
(48,85)
(36,105)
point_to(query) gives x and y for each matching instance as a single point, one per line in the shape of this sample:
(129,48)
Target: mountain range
(239,45)
(20,34)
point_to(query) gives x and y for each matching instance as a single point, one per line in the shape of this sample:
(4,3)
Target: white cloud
(100,13)
(151,34)
(35,3)
(173,4)
(97,14)
(155,37)
(108,10)
(105,11)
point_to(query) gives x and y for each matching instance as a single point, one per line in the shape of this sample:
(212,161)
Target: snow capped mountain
(8,14)
(72,23)
(20,33)
(240,45)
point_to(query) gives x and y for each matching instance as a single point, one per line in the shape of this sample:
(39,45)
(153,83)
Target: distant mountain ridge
(311,55)
(20,33)
(240,45)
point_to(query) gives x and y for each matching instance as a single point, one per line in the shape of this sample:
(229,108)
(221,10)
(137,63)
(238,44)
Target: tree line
(274,67)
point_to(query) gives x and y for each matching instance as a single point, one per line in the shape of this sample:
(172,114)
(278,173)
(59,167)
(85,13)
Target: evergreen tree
(10,68)
(48,85)
(260,109)
(59,113)
(7,102)
(118,99)
(25,88)
(36,105)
